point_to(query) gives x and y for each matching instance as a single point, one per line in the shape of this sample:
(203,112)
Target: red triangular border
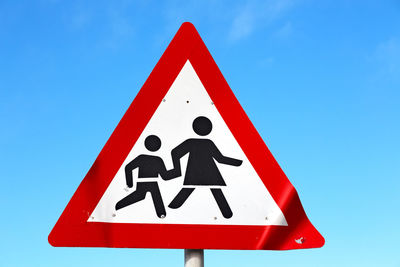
(72,228)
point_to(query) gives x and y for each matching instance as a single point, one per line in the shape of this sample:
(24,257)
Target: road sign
(185,168)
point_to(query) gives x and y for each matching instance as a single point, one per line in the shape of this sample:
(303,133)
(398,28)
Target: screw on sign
(212,181)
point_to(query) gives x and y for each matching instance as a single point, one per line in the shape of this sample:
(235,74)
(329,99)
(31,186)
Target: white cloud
(388,55)
(80,19)
(285,31)
(243,23)
(113,22)
(253,14)
(239,19)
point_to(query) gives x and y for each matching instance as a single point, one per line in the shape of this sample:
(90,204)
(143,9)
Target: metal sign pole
(194,258)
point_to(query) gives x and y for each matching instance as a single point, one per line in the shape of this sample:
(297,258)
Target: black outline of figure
(149,167)
(201,169)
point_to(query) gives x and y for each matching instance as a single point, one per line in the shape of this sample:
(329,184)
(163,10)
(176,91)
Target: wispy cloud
(119,26)
(253,13)
(243,23)
(208,12)
(237,19)
(80,18)
(285,31)
(388,56)
(112,21)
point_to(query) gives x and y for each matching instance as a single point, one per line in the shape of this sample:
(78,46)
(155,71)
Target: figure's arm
(222,159)
(171,174)
(128,171)
(177,153)
(167,175)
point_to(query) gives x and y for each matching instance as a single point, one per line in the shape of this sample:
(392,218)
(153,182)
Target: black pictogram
(149,167)
(201,169)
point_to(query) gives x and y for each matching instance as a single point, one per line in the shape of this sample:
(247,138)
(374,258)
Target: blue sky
(319,79)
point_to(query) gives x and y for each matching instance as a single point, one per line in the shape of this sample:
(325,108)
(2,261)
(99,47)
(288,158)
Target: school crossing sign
(185,168)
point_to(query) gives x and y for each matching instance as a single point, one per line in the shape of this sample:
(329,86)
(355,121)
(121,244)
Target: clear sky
(319,79)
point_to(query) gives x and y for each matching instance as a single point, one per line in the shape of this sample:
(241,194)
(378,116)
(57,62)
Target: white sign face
(212,188)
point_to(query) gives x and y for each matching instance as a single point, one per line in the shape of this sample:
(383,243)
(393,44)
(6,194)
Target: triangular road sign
(185,168)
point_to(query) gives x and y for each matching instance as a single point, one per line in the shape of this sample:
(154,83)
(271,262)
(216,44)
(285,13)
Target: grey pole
(194,258)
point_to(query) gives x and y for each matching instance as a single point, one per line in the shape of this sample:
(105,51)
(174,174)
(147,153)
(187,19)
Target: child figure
(149,167)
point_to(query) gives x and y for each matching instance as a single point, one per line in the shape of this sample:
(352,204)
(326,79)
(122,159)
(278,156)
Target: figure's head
(152,143)
(202,126)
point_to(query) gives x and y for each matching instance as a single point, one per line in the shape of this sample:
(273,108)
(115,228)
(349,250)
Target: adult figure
(201,169)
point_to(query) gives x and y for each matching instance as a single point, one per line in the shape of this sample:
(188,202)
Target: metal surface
(240,193)
(194,258)
(77,228)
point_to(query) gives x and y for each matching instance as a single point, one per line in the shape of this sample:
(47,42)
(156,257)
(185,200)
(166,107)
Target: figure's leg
(134,197)
(222,203)
(157,200)
(180,198)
